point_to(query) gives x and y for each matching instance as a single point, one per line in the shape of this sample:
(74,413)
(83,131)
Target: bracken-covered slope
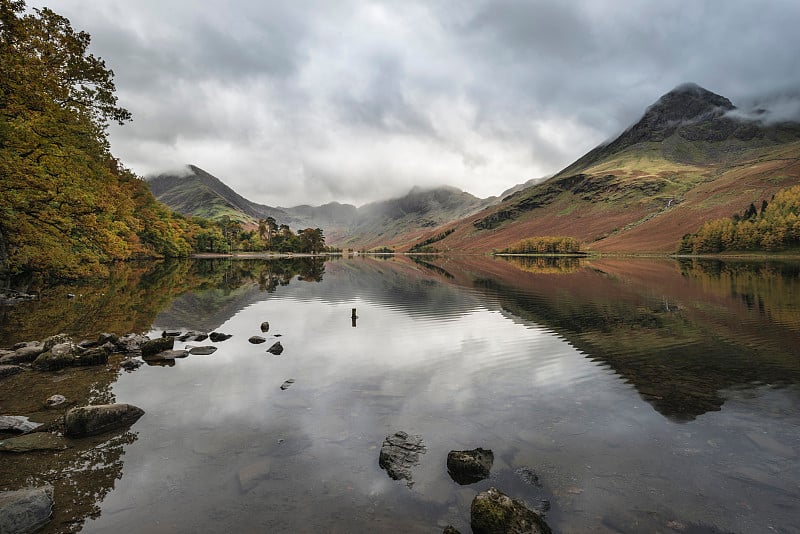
(686,161)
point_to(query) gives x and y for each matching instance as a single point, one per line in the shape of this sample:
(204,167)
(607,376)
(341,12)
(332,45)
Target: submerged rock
(494,512)
(399,453)
(55,400)
(38,441)
(203,351)
(219,336)
(276,348)
(193,336)
(255,340)
(468,467)
(154,346)
(131,364)
(25,510)
(250,475)
(8,370)
(17,424)
(287,384)
(91,420)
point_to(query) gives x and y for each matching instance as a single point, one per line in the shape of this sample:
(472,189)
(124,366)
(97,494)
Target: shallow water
(630,396)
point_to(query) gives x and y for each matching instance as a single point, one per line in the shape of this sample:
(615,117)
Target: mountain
(398,220)
(689,159)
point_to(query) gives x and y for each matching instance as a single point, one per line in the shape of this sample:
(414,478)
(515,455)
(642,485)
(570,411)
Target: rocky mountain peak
(686,103)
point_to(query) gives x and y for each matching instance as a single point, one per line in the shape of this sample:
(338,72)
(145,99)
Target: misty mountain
(692,157)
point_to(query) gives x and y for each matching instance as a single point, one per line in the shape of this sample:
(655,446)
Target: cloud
(313,101)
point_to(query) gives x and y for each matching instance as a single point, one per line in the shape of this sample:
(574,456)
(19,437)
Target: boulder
(25,510)
(494,512)
(202,351)
(57,339)
(219,336)
(131,364)
(276,348)
(468,467)
(106,337)
(265,326)
(38,441)
(399,453)
(131,343)
(255,340)
(56,357)
(17,424)
(92,356)
(191,335)
(154,346)
(165,355)
(28,352)
(91,420)
(8,370)
(170,333)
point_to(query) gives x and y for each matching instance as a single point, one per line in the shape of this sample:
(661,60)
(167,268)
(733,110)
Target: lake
(617,395)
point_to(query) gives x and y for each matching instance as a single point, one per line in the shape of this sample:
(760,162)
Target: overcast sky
(312,101)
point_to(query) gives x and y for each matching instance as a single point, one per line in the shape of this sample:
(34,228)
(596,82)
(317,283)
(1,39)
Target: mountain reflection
(680,334)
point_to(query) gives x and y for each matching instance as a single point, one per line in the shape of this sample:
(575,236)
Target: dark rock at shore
(219,336)
(98,419)
(265,326)
(170,333)
(193,336)
(165,355)
(494,512)
(468,467)
(56,357)
(9,370)
(399,453)
(276,348)
(131,364)
(131,343)
(25,510)
(38,441)
(93,356)
(202,351)
(154,346)
(17,424)
(24,352)
(255,340)
(57,339)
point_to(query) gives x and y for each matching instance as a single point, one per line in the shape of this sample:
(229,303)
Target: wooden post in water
(353,316)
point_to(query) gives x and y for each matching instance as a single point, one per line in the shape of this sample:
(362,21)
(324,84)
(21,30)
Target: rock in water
(28,352)
(494,512)
(265,326)
(91,420)
(276,348)
(399,453)
(38,441)
(203,351)
(55,400)
(25,510)
(56,357)
(287,384)
(219,336)
(8,370)
(17,424)
(255,340)
(468,467)
(154,346)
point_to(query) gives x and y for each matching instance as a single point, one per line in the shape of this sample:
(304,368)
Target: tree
(311,240)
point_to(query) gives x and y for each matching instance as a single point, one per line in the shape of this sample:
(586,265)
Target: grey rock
(193,336)
(255,340)
(468,467)
(265,326)
(9,370)
(38,441)
(106,337)
(131,343)
(219,336)
(17,424)
(131,364)
(154,346)
(55,400)
(494,512)
(170,333)
(91,420)
(399,453)
(276,348)
(57,339)
(92,356)
(165,355)
(202,351)
(56,357)
(29,352)
(26,510)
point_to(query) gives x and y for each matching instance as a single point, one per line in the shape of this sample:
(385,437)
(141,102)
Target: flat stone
(494,512)
(287,384)
(55,400)
(26,510)
(202,351)
(276,348)
(17,423)
(255,340)
(165,355)
(219,336)
(399,453)
(38,441)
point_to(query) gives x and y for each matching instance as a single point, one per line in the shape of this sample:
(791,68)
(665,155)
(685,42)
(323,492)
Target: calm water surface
(619,396)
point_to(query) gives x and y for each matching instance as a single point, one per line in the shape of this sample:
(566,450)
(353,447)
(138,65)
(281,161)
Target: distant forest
(774,226)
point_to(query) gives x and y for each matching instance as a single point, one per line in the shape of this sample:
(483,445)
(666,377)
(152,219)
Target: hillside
(686,161)
(197,192)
